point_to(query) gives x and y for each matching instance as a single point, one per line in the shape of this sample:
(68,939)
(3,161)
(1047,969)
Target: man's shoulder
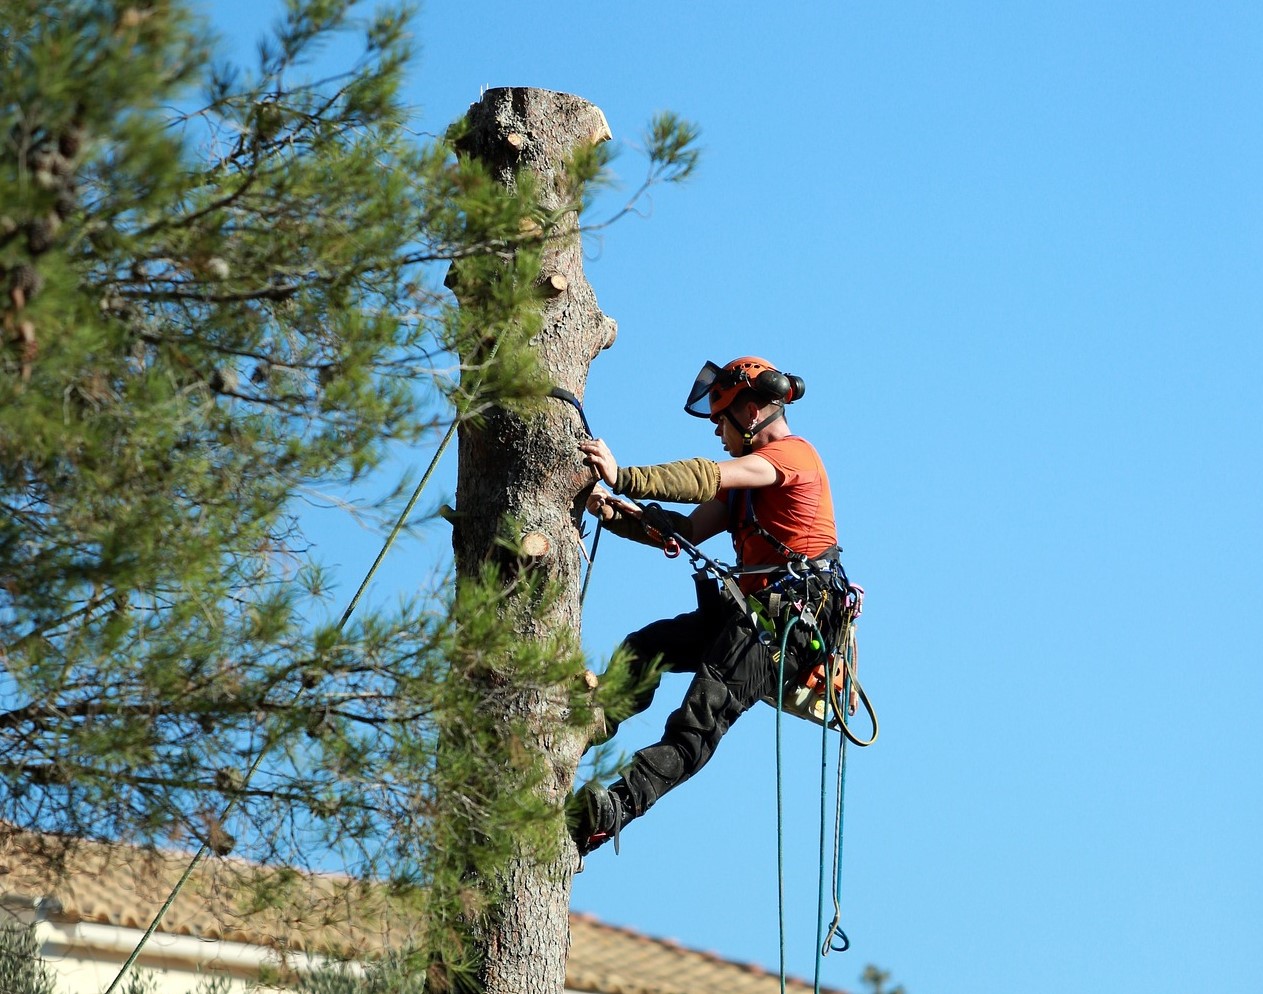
(791,447)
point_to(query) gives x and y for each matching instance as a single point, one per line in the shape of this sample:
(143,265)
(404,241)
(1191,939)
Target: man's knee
(702,718)
(653,772)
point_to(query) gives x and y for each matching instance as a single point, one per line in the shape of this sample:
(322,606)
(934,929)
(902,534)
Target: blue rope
(824,783)
(839,705)
(780,802)
(835,928)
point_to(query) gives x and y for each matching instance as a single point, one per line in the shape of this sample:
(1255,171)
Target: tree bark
(527,468)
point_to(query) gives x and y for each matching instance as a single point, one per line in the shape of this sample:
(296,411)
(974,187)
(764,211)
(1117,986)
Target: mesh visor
(698,403)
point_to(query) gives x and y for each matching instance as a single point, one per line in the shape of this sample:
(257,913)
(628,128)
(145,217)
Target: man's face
(732,439)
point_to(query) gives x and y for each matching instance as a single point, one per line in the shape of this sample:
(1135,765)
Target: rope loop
(837,936)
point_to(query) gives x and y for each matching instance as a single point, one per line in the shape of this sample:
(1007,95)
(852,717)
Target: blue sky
(1015,249)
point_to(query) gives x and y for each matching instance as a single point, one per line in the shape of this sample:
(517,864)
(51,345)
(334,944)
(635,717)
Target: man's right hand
(605,505)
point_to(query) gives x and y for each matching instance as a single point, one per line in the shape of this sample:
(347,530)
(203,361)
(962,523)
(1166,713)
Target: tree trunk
(528,469)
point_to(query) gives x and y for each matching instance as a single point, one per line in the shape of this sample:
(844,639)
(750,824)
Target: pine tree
(220,292)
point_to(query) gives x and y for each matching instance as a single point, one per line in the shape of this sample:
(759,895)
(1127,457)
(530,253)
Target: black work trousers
(732,670)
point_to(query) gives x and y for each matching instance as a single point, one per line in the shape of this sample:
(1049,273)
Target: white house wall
(86,957)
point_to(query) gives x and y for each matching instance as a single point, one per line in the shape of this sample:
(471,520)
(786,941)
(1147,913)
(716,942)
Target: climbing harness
(825,673)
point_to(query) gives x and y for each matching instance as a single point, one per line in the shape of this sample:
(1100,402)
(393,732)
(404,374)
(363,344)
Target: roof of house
(224,899)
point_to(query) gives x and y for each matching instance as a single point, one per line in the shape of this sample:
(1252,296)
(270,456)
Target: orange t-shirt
(797,512)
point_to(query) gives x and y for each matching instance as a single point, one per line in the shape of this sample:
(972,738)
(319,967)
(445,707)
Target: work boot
(595,817)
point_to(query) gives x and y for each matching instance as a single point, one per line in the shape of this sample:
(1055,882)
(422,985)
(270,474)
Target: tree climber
(773,497)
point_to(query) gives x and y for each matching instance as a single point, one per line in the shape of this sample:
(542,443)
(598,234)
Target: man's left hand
(598,455)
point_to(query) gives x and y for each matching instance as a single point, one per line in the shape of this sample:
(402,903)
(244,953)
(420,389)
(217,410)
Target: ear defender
(775,385)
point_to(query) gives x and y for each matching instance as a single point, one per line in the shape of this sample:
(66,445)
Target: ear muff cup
(772,384)
(775,385)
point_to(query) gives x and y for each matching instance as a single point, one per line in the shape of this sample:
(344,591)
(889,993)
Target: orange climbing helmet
(720,385)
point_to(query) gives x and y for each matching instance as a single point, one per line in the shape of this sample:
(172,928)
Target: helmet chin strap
(747,436)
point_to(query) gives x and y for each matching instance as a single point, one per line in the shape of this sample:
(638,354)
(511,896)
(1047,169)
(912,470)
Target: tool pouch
(810,666)
(711,601)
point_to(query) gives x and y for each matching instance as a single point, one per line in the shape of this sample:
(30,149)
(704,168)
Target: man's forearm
(661,520)
(688,481)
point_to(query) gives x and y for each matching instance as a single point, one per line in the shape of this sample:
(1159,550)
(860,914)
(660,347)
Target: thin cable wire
(179,886)
(394,532)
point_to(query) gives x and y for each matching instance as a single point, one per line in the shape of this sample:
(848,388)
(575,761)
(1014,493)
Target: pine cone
(25,282)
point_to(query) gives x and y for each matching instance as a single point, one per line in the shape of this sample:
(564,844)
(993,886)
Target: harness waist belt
(823,563)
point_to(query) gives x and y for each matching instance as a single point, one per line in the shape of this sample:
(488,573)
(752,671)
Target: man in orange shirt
(773,496)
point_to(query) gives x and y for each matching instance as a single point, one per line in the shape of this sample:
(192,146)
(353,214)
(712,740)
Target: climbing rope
(836,934)
(403,517)
(854,690)
(780,796)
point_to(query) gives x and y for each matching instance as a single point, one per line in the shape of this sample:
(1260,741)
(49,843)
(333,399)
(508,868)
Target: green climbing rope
(780,795)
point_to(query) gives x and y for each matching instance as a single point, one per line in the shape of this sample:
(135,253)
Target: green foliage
(140,982)
(671,143)
(485,773)
(21,969)
(875,981)
(394,974)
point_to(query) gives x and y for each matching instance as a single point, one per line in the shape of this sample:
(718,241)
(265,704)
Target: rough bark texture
(529,469)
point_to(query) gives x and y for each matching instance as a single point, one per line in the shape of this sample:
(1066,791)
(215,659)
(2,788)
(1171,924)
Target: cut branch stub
(535,545)
(553,284)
